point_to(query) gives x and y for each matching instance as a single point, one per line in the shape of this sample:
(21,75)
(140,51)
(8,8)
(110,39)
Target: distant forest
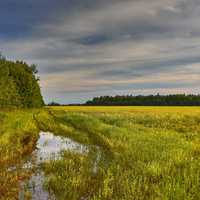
(19,85)
(150,100)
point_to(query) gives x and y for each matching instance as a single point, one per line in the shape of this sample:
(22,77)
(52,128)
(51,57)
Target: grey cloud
(111,40)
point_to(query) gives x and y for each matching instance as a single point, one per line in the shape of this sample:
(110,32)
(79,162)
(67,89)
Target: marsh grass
(18,134)
(145,152)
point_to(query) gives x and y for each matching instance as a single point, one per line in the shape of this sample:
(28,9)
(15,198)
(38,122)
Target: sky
(87,48)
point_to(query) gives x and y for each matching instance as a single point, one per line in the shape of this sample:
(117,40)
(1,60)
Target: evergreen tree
(150,100)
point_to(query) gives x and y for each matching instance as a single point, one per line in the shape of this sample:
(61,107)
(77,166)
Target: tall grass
(18,134)
(143,152)
(146,155)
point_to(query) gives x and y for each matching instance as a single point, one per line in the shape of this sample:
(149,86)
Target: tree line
(150,100)
(19,85)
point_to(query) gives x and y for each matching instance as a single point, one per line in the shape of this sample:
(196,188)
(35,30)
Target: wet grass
(149,153)
(18,134)
(146,152)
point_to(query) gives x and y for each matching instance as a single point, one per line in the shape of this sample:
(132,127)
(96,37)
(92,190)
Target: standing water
(48,148)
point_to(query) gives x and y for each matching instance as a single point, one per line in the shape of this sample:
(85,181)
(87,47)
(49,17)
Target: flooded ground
(48,148)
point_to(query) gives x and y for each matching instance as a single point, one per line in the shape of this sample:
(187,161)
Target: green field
(147,153)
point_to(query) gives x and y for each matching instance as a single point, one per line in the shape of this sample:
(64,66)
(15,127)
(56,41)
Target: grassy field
(147,153)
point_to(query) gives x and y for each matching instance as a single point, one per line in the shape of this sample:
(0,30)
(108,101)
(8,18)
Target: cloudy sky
(86,48)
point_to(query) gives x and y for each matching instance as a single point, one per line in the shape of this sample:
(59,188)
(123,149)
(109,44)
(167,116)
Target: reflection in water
(48,147)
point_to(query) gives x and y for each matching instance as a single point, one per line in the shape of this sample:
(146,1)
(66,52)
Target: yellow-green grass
(18,134)
(151,109)
(146,152)
(149,153)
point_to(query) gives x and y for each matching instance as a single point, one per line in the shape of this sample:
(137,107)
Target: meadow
(139,153)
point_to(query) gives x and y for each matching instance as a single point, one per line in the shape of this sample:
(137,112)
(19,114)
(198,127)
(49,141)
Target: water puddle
(48,148)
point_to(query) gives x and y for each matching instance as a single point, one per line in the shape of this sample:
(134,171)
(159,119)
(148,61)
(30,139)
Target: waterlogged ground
(49,147)
(101,153)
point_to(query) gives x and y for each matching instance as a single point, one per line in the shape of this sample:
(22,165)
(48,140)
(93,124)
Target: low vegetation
(134,152)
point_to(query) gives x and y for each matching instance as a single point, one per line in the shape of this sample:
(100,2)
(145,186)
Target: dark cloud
(93,39)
